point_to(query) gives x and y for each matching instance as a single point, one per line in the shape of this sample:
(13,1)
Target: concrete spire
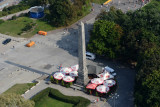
(83,72)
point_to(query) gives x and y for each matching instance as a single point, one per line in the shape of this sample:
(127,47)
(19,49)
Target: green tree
(105,39)
(14,100)
(137,42)
(61,12)
(148,94)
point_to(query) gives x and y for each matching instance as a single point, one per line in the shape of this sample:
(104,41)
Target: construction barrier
(30,44)
(42,33)
(107,2)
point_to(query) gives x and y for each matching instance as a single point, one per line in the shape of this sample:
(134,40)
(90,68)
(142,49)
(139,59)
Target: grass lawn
(13,27)
(51,102)
(20,88)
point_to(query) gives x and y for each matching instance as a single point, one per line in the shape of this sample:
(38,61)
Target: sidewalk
(17,14)
(66,91)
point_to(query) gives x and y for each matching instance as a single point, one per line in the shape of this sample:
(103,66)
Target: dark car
(6,41)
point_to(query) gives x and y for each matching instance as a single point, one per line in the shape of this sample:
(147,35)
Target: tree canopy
(105,38)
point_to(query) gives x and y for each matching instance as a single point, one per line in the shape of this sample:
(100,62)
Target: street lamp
(114,97)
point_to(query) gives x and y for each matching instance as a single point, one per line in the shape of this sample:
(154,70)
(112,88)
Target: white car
(90,56)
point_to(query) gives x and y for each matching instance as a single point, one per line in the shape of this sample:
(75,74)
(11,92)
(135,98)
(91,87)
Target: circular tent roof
(36,9)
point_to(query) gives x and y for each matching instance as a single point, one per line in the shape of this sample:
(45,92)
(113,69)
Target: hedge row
(76,100)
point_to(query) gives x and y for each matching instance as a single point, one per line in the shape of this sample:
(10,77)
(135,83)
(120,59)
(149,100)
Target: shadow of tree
(69,40)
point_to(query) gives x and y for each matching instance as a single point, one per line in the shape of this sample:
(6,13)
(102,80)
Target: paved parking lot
(26,64)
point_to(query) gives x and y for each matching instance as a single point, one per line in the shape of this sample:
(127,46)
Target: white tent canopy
(73,73)
(109,83)
(97,81)
(102,89)
(58,75)
(68,78)
(66,70)
(104,75)
(75,67)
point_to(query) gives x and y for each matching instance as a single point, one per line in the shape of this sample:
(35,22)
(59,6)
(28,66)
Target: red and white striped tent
(58,75)
(102,89)
(68,78)
(91,86)
(73,73)
(104,75)
(97,81)
(66,70)
(109,83)
(75,67)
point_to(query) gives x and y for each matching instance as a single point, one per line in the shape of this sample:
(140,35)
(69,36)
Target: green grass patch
(20,88)
(51,102)
(14,27)
(75,101)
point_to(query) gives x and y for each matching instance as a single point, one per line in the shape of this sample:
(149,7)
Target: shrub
(96,93)
(28,27)
(56,81)
(76,100)
(14,17)
(41,94)
(1,21)
(62,83)
(51,79)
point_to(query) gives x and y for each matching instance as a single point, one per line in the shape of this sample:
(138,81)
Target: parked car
(6,41)
(90,56)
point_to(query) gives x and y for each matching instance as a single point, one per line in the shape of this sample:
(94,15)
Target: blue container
(36,15)
(36,12)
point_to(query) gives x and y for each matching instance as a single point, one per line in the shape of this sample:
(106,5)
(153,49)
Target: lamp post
(114,97)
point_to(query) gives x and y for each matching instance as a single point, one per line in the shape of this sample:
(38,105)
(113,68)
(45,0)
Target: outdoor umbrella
(104,75)
(75,67)
(91,86)
(58,75)
(109,83)
(73,73)
(68,78)
(97,81)
(102,89)
(66,70)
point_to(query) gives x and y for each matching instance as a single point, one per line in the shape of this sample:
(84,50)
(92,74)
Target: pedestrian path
(66,91)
